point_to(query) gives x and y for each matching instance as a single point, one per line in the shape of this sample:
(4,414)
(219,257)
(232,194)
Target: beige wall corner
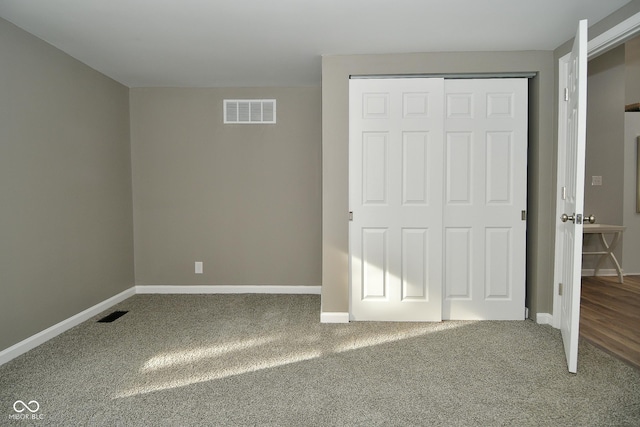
(65,186)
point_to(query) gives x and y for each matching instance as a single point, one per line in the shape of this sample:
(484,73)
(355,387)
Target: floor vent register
(112,317)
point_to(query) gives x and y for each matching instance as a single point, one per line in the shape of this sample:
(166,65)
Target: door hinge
(523,215)
(566,94)
(563,193)
(560,289)
(350,216)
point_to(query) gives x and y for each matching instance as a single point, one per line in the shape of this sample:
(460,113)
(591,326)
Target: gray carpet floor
(267,360)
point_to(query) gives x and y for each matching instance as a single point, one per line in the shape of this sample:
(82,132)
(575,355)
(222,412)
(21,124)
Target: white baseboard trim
(334,317)
(601,272)
(544,319)
(55,330)
(223,289)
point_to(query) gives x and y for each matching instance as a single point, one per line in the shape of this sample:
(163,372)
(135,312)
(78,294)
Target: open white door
(572,127)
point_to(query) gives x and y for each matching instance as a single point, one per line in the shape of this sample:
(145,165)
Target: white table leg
(608,249)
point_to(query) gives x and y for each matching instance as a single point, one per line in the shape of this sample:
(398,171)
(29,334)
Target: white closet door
(485,192)
(395,194)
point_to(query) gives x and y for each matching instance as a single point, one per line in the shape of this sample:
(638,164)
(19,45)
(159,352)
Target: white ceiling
(212,43)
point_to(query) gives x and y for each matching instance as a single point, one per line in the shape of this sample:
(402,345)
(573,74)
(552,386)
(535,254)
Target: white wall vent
(249,111)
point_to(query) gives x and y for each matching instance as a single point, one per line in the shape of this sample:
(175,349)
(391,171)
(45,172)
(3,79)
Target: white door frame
(606,41)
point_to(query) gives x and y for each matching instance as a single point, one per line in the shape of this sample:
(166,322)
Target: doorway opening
(610,194)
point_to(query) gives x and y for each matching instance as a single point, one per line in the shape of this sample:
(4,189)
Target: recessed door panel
(374,167)
(374,263)
(458,263)
(415,105)
(415,264)
(500,105)
(499,167)
(460,106)
(415,168)
(375,106)
(498,281)
(459,157)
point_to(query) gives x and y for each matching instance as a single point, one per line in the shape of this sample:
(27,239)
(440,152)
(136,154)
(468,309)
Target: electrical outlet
(199,267)
(596,180)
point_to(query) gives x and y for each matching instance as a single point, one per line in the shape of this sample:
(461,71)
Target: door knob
(590,218)
(565,218)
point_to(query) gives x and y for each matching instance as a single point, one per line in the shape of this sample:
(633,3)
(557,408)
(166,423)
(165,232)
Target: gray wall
(630,217)
(605,148)
(632,72)
(65,186)
(243,199)
(335,77)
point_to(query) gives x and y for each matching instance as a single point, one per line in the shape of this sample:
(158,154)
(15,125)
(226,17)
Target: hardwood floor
(610,316)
